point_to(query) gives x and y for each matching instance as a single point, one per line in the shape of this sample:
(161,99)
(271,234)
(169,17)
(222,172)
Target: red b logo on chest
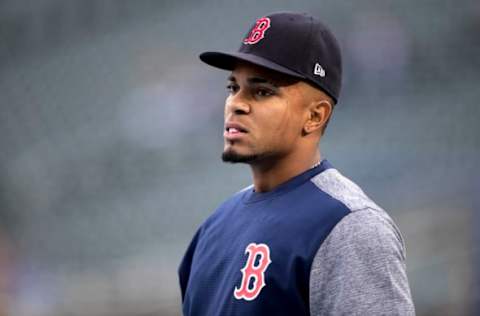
(258,31)
(253,272)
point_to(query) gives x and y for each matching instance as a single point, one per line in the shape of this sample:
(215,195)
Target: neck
(269,174)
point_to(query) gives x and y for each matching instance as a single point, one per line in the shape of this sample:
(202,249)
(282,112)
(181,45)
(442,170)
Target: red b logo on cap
(253,272)
(258,31)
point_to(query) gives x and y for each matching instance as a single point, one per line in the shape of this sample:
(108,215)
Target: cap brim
(227,61)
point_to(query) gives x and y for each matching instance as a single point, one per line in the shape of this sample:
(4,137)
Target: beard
(233,157)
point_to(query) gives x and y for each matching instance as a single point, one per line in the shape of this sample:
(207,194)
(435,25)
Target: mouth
(234,131)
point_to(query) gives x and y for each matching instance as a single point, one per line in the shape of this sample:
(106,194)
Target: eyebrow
(254,80)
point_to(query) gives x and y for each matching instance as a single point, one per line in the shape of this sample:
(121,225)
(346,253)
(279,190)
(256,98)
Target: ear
(319,112)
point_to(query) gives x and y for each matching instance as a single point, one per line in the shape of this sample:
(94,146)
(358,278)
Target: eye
(262,92)
(232,88)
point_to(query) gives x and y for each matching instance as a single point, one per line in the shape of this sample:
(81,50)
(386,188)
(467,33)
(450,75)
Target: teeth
(233,130)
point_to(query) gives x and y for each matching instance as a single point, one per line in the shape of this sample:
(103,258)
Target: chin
(230,155)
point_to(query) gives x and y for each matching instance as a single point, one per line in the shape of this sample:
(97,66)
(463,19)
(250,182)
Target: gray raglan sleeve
(360,269)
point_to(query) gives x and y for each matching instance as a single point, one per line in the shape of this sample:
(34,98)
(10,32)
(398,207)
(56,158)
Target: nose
(236,104)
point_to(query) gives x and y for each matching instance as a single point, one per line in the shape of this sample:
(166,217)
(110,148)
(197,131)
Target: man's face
(264,115)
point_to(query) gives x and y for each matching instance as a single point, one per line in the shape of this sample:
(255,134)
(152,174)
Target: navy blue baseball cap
(295,44)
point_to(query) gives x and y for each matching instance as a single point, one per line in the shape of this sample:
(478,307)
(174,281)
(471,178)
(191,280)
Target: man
(303,239)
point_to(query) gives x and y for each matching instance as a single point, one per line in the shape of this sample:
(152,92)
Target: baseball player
(302,239)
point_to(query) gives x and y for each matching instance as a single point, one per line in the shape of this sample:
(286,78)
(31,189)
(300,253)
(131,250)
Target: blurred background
(111,135)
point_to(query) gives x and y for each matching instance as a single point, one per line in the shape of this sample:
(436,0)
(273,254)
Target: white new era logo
(318,70)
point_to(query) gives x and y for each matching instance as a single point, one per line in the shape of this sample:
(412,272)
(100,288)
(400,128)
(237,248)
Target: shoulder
(367,232)
(365,218)
(339,187)
(360,266)
(366,229)
(364,215)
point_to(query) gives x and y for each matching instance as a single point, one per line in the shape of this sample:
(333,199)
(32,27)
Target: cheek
(291,120)
(284,125)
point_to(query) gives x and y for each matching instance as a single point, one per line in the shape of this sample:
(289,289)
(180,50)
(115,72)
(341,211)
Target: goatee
(233,157)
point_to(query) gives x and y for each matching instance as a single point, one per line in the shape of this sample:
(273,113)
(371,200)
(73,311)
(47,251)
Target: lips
(234,130)
(234,127)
